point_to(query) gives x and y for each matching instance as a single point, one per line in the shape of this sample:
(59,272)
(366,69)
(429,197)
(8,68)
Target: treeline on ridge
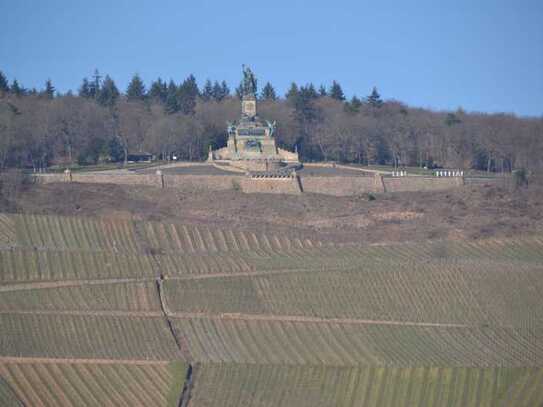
(39,129)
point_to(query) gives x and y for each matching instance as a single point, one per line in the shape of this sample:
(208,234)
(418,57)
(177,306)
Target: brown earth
(469,212)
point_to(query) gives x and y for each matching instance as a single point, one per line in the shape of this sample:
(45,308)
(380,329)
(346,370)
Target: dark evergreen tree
(322,91)
(374,100)
(268,92)
(108,94)
(311,91)
(304,106)
(31,92)
(94,86)
(115,149)
(187,94)
(292,93)
(136,89)
(356,102)
(217,91)
(207,91)
(4,85)
(158,91)
(306,114)
(336,92)
(84,89)
(171,105)
(49,91)
(225,90)
(16,89)
(354,105)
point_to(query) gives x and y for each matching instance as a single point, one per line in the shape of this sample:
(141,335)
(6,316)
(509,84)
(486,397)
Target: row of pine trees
(182,97)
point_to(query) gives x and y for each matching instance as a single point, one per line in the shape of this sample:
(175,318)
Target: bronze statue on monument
(251,144)
(249,82)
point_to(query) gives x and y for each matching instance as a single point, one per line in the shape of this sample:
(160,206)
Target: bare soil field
(471,212)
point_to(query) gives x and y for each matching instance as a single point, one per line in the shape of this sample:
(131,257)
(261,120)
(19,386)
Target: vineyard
(8,396)
(300,342)
(86,234)
(130,312)
(135,297)
(461,293)
(267,385)
(86,336)
(95,384)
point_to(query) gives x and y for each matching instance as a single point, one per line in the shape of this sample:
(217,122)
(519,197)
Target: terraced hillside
(62,383)
(126,236)
(103,312)
(271,385)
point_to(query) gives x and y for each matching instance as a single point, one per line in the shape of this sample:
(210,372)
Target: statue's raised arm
(249,82)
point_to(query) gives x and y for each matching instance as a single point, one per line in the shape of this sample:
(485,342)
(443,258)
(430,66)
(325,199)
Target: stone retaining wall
(341,186)
(284,185)
(97,178)
(403,184)
(337,185)
(201,182)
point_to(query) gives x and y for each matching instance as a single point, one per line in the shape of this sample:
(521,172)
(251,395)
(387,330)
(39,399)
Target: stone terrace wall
(341,186)
(403,184)
(190,182)
(335,185)
(287,185)
(201,182)
(97,178)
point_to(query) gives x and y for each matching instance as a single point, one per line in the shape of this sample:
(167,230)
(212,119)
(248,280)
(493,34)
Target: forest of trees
(101,123)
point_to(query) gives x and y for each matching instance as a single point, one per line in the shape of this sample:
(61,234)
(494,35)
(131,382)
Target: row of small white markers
(437,173)
(449,173)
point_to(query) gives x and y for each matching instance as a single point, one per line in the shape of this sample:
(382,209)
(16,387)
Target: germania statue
(249,82)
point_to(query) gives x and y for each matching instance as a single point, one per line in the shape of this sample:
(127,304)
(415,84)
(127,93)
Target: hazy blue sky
(481,55)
